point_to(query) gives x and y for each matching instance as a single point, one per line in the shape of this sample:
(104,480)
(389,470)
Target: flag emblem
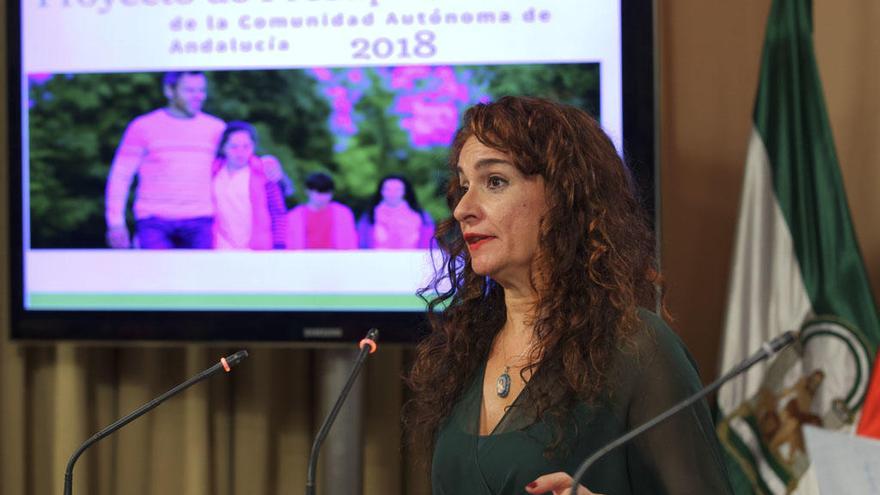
(820,381)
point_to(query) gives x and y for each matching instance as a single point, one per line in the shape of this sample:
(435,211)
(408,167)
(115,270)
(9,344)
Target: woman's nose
(466,208)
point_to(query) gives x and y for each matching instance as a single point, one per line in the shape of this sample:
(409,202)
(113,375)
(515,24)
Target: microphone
(225,364)
(368,346)
(767,349)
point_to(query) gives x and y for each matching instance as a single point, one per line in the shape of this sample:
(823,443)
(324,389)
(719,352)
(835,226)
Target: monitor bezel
(308,327)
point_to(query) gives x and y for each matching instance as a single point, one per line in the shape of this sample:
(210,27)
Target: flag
(869,425)
(796,266)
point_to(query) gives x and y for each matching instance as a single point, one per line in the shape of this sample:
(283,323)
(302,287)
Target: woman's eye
(495,182)
(463,188)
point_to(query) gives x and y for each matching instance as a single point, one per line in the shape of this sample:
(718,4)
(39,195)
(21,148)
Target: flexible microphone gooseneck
(368,346)
(767,349)
(225,364)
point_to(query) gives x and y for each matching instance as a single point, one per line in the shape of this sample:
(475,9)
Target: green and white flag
(796,266)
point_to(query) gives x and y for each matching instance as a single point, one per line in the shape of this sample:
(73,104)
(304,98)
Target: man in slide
(170,150)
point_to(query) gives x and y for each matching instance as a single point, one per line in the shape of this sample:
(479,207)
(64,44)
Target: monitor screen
(267,169)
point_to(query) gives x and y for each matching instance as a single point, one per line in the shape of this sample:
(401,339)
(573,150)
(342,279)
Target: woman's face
(499,213)
(238,148)
(393,191)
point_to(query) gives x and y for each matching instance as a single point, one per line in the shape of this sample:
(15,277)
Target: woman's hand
(558,483)
(272,168)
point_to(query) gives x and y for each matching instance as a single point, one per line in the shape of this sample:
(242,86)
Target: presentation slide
(270,155)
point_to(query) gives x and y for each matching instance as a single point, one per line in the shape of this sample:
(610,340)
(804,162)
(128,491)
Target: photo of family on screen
(302,159)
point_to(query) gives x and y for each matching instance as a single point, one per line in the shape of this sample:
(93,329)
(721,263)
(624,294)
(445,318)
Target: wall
(710,53)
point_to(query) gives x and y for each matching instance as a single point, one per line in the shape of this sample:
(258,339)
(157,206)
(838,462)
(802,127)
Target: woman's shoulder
(654,330)
(655,344)
(652,361)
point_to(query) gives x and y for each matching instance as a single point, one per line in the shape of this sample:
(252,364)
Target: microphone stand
(368,346)
(225,364)
(767,349)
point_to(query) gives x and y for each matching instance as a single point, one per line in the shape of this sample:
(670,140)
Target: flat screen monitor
(273,169)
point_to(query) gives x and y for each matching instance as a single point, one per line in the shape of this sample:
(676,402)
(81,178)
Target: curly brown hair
(596,246)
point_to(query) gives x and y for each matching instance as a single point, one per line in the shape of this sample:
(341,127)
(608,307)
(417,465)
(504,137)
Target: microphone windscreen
(783,340)
(236,358)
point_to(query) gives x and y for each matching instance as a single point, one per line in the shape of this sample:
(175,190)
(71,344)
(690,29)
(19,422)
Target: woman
(249,210)
(395,219)
(544,351)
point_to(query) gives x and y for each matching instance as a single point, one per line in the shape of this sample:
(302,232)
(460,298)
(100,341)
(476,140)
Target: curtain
(248,432)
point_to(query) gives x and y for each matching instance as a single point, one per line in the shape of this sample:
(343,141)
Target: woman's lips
(474,241)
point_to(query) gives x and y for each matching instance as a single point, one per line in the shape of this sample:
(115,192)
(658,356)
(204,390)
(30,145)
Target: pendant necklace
(502,384)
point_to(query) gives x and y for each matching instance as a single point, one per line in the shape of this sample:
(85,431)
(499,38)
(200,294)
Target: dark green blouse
(649,375)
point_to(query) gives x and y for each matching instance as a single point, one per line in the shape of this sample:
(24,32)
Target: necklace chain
(502,384)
